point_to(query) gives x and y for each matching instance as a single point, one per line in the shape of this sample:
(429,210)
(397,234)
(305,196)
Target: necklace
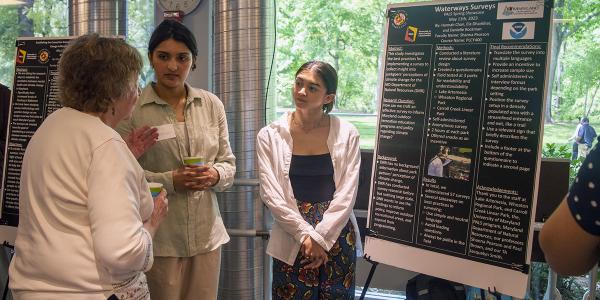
(304,128)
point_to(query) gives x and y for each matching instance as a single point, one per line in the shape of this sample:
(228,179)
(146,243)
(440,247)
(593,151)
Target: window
(49,18)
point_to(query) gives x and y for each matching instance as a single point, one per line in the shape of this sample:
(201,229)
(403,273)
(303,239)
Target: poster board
(34,97)
(456,159)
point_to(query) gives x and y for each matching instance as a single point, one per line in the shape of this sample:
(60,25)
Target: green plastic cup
(193,160)
(155,188)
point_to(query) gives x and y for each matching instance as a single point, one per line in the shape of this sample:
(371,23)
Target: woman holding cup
(191,124)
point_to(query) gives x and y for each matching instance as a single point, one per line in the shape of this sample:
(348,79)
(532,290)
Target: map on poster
(34,97)
(462,92)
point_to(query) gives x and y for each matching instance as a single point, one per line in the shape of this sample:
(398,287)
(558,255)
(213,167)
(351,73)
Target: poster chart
(34,97)
(462,93)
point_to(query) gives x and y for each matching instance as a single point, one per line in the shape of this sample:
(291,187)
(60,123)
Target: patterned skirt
(334,280)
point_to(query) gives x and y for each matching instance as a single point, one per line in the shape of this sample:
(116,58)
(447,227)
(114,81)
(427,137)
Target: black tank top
(312,177)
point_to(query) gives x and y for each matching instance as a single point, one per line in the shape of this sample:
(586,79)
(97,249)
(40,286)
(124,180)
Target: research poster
(459,130)
(34,97)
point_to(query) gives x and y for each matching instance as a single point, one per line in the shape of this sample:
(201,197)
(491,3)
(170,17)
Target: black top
(312,178)
(584,195)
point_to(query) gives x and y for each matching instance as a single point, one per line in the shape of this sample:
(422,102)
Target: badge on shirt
(166,131)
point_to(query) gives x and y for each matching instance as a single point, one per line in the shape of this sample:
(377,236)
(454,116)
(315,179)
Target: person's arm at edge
(569,250)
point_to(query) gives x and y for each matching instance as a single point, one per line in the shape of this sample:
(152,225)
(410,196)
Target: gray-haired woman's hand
(140,139)
(161,207)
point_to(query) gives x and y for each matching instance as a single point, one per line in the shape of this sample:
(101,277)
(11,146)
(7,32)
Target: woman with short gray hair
(86,216)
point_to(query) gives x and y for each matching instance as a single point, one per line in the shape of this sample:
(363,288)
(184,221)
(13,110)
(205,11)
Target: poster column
(34,98)
(401,117)
(445,194)
(504,193)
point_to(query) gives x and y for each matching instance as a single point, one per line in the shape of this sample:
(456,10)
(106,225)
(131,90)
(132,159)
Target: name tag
(166,131)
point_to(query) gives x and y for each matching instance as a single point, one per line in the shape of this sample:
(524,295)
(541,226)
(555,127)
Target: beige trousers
(185,278)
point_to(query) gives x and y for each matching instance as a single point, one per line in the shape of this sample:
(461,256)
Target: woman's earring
(113,110)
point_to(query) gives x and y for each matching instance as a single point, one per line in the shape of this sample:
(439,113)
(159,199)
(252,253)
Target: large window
(348,34)
(49,18)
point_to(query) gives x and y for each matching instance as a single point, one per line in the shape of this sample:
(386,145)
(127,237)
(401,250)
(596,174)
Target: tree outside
(346,34)
(49,18)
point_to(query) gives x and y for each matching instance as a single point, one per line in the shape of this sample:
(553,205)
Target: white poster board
(457,158)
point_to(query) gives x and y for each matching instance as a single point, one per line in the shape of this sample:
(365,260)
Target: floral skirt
(334,280)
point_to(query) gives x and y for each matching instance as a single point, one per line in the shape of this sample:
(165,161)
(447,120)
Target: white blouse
(274,147)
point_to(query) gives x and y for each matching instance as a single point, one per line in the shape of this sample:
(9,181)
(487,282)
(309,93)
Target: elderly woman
(86,214)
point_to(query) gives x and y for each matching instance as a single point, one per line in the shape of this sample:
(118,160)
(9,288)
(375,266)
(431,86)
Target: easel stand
(371,272)
(551,290)
(591,293)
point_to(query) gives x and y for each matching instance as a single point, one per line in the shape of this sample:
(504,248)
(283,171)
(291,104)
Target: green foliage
(578,22)
(50,18)
(578,17)
(347,34)
(538,280)
(9,30)
(140,24)
(551,150)
(570,288)
(581,79)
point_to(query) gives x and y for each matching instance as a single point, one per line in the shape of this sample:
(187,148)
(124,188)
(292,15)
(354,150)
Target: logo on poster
(411,34)
(520,10)
(399,19)
(43,56)
(21,54)
(518,31)
(508,11)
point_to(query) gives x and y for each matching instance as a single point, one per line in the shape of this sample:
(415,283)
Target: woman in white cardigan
(86,216)
(308,170)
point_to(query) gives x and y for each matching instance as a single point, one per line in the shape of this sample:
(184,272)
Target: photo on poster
(450,162)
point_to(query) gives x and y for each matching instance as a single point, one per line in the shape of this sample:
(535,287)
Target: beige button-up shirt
(193,224)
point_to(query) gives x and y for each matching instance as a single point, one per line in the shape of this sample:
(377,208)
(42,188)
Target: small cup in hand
(155,188)
(194,160)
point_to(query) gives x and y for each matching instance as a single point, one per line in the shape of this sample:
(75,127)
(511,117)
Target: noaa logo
(518,30)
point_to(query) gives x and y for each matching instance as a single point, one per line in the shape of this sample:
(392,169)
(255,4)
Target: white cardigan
(83,200)
(274,147)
